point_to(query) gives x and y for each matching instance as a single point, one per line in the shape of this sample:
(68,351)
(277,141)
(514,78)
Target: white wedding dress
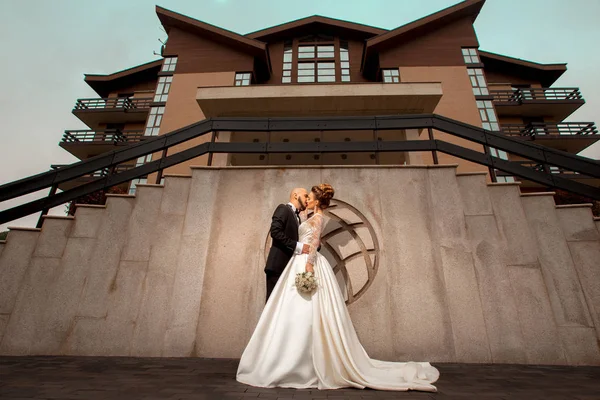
(308,341)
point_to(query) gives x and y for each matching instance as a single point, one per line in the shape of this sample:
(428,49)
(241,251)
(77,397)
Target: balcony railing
(114,136)
(541,128)
(112,103)
(518,96)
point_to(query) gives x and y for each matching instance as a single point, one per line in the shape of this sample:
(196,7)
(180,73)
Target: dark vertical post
(45,210)
(210,154)
(491,169)
(160,171)
(433,152)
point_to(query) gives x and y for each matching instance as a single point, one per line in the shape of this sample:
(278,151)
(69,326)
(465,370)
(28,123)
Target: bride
(308,341)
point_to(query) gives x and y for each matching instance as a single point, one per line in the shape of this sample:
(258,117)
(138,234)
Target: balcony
(557,103)
(567,136)
(561,172)
(90,177)
(303,100)
(88,143)
(118,110)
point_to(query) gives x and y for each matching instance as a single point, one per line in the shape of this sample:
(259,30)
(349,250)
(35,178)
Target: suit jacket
(284,232)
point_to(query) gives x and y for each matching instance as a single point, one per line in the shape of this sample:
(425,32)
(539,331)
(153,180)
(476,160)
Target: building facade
(320,66)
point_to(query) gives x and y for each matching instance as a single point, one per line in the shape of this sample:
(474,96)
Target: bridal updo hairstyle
(323,193)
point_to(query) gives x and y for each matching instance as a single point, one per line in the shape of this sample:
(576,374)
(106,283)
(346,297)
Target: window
(470,56)
(143,160)
(478,82)
(306,51)
(243,79)
(488,115)
(494,152)
(325,51)
(154,120)
(344,61)
(287,62)
(169,64)
(135,182)
(326,72)
(390,75)
(162,89)
(505,179)
(306,72)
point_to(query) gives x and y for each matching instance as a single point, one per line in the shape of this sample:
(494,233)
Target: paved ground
(191,378)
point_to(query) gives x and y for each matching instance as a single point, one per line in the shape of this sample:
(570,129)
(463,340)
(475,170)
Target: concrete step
(53,238)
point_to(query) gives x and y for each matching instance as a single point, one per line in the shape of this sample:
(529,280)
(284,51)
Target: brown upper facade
(356,53)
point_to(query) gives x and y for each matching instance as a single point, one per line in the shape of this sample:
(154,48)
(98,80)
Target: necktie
(298,216)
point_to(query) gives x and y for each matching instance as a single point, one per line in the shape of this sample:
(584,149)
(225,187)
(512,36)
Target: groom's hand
(305,249)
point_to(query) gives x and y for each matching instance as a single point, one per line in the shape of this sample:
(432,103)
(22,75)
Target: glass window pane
(488,104)
(483,115)
(485,125)
(387,72)
(160,87)
(473,52)
(476,91)
(344,56)
(471,71)
(164,97)
(494,126)
(306,78)
(287,58)
(491,114)
(169,79)
(479,104)
(345,65)
(287,73)
(287,66)
(286,79)
(484,91)
(323,65)
(395,79)
(306,72)
(323,72)
(345,78)
(503,154)
(326,78)
(387,78)
(395,72)
(246,82)
(306,49)
(345,72)
(325,55)
(465,52)
(322,48)
(473,81)
(481,81)
(306,66)
(306,55)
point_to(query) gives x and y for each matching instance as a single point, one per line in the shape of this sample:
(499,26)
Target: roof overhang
(547,74)
(105,84)
(468,8)
(319,100)
(324,24)
(170,19)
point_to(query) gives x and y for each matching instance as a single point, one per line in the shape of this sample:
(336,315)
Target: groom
(284,232)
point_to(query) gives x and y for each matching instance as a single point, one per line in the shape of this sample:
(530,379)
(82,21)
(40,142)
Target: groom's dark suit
(284,232)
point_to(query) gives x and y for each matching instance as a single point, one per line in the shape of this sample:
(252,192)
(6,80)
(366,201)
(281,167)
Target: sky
(48,46)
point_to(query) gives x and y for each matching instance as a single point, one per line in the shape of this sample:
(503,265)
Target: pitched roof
(278,30)
(547,74)
(104,84)
(170,19)
(466,8)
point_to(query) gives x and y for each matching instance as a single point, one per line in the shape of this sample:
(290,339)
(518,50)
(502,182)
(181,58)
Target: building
(435,265)
(320,66)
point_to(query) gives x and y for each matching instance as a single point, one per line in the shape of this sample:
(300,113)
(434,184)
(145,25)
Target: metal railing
(98,173)
(500,141)
(113,103)
(550,169)
(518,96)
(542,128)
(114,136)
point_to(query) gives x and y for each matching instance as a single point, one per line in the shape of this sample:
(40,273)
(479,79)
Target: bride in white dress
(308,340)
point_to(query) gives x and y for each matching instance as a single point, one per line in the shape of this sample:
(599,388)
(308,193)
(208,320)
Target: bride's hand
(309,268)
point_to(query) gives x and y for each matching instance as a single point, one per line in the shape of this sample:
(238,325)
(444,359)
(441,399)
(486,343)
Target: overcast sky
(47,46)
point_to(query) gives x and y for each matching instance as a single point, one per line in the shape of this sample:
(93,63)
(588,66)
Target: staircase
(469,271)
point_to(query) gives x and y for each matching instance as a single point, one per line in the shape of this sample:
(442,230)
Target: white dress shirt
(299,245)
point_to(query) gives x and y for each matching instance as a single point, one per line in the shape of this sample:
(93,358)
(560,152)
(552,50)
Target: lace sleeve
(316,223)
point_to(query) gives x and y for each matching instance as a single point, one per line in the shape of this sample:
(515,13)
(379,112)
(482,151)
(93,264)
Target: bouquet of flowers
(306,282)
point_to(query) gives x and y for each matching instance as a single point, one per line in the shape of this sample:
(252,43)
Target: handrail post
(44,212)
(159,175)
(213,137)
(432,140)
